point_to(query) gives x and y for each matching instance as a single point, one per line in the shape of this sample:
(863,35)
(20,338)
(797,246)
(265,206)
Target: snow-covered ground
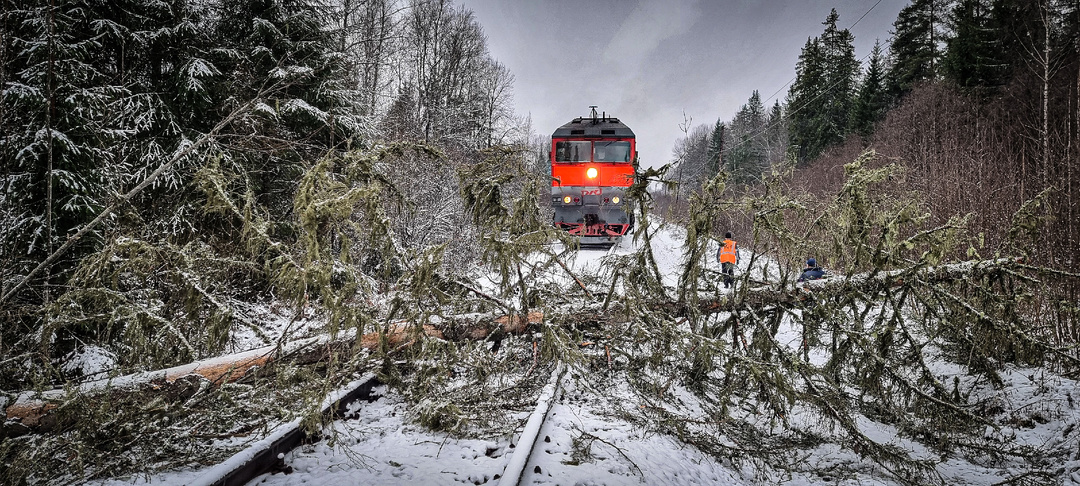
(382,448)
(590,436)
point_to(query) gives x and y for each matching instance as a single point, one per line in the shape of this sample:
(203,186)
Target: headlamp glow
(615,200)
(566,199)
(591,173)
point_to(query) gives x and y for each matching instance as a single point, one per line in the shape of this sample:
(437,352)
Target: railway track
(267,455)
(571,433)
(517,468)
(535,446)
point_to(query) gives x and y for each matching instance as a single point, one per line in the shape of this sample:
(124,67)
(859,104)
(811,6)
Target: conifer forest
(345,185)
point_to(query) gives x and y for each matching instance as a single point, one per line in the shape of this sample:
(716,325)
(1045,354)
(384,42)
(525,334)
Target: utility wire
(792,80)
(787,113)
(865,14)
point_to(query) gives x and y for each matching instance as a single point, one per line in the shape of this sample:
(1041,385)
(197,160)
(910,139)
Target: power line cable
(787,113)
(792,80)
(864,15)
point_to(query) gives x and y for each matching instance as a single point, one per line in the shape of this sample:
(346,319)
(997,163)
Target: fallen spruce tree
(904,350)
(871,340)
(28,411)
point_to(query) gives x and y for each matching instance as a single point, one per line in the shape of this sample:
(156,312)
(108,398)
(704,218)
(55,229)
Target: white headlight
(591,172)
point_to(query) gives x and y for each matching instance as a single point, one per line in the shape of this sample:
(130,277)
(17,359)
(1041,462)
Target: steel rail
(526,443)
(267,454)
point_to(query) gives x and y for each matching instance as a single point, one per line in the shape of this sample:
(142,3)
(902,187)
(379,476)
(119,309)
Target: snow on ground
(261,324)
(667,244)
(585,442)
(589,439)
(382,448)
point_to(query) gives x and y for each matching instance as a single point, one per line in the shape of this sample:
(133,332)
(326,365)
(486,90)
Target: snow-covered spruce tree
(281,54)
(63,117)
(57,121)
(167,55)
(171,98)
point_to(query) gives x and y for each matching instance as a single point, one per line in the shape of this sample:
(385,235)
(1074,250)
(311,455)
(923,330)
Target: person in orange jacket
(728,256)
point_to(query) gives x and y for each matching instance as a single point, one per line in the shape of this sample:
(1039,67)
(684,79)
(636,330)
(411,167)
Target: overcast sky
(650,61)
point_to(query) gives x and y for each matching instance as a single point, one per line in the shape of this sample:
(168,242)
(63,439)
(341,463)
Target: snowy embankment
(594,432)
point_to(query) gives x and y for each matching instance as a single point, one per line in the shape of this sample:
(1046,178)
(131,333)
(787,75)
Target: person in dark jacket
(812,271)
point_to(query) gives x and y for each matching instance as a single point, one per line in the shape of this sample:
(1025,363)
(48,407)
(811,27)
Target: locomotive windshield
(573,151)
(592,151)
(611,152)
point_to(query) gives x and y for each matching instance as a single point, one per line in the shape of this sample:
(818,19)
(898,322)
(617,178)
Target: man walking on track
(728,256)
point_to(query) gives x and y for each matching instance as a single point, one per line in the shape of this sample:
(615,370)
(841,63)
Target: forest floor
(601,431)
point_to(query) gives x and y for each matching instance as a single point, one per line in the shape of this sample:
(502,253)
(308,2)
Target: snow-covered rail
(266,455)
(515,467)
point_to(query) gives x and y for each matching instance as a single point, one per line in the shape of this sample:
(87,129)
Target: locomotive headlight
(615,200)
(566,199)
(591,173)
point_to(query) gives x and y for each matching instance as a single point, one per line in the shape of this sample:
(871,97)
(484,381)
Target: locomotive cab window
(573,151)
(611,152)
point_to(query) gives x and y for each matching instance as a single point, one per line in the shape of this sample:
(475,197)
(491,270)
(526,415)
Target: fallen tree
(870,343)
(869,346)
(761,296)
(31,410)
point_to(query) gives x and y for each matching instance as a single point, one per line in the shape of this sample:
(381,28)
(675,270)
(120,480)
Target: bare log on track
(31,410)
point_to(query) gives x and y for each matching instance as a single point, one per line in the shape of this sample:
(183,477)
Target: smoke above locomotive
(592,168)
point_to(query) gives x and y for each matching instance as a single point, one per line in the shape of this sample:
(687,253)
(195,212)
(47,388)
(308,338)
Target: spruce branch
(125,198)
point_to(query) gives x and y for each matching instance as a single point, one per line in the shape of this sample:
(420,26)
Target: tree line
(111,128)
(977,99)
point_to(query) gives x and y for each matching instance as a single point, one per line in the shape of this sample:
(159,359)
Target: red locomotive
(592,167)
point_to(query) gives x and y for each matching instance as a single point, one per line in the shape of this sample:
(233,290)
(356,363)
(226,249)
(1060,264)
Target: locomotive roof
(594,127)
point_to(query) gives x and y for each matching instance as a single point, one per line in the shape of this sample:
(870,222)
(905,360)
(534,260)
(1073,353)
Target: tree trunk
(50,83)
(1046,93)
(31,410)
